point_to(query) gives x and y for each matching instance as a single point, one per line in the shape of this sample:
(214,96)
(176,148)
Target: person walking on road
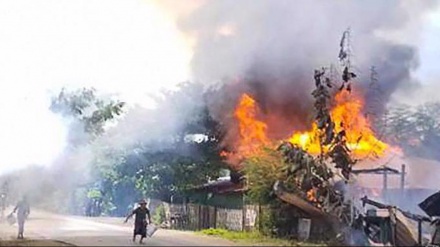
(140,221)
(2,205)
(23,210)
(3,198)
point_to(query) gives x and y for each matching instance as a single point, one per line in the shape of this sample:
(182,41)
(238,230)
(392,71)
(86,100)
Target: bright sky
(123,46)
(429,71)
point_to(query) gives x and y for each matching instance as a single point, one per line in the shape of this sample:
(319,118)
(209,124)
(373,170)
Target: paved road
(82,231)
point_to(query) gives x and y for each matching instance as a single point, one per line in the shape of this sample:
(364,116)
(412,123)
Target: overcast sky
(126,46)
(429,71)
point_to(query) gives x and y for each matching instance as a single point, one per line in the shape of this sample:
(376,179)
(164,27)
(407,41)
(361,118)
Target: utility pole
(385,185)
(402,183)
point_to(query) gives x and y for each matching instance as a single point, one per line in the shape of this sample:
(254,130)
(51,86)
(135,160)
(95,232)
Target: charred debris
(317,184)
(313,176)
(318,189)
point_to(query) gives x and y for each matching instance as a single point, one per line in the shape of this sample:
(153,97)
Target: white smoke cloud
(117,46)
(270,48)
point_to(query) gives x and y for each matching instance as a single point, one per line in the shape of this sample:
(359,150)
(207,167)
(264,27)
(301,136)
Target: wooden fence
(197,217)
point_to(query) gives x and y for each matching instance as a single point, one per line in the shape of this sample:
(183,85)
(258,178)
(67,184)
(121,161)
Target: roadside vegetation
(254,238)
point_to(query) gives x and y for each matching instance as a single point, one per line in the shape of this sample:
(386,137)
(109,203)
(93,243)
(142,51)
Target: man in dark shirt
(140,221)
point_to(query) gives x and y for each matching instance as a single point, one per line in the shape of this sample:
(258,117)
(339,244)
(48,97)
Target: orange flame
(347,110)
(360,137)
(252,131)
(311,196)
(224,154)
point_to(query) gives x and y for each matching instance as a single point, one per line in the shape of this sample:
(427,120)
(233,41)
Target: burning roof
(347,117)
(318,159)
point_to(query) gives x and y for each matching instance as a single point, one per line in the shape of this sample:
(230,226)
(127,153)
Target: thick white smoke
(279,43)
(269,49)
(30,134)
(127,48)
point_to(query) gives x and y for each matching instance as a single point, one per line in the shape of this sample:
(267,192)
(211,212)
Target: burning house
(322,153)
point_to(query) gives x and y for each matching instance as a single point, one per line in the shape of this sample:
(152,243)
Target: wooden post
(402,177)
(243,218)
(260,228)
(243,195)
(215,217)
(402,183)
(385,185)
(199,218)
(352,210)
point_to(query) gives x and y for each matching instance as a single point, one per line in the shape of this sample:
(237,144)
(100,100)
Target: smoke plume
(270,48)
(128,49)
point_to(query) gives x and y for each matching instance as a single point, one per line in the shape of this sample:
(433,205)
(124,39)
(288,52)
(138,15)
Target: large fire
(252,131)
(346,113)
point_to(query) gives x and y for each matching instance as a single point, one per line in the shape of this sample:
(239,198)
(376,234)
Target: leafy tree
(159,215)
(415,129)
(84,106)
(182,152)
(262,171)
(398,123)
(88,115)
(177,148)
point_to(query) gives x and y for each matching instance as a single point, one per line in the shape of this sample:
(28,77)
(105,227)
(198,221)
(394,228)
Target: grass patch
(253,237)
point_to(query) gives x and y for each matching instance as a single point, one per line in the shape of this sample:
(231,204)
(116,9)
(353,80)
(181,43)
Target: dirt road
(82,231)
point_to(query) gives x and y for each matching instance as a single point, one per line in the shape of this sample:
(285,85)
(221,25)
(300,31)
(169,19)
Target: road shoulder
(8,237)
(33,242)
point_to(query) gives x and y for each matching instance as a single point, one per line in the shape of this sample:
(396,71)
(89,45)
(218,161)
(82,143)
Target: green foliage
(267,219)
(94,193)
(415,129)
(168,161)
(399,123)
(232,235)
(88,114)
(157,174)
(253,237)
(159,215)
(84,106)
(262,171)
